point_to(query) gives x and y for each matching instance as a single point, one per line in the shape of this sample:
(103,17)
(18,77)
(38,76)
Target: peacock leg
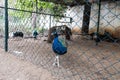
(56,63)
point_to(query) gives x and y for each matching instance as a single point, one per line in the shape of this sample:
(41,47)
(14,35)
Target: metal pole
(50,22)
(36,5)
(98,23)
(6,25)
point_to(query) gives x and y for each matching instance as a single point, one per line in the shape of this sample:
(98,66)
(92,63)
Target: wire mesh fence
(84,60)
(1,28)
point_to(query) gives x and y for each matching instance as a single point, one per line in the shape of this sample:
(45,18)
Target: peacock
(59,46)
(35,33)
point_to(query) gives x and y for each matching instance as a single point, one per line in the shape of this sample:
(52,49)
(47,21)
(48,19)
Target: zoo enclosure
(109,21)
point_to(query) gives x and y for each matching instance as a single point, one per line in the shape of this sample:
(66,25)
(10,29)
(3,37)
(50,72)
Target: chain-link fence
(91,22)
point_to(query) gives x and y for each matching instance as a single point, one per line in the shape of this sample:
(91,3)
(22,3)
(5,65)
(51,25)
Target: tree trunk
(34,15)
(86,18)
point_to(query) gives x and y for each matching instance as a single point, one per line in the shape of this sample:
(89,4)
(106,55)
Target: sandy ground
(11,68)
(83,61)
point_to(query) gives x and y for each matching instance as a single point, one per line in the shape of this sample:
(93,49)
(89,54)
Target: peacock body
(59,47)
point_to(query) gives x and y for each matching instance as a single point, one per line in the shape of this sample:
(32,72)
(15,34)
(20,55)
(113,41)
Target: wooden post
(86,18)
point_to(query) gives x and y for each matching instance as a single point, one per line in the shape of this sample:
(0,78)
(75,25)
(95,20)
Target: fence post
(50,22)
(6,25)
(98,23)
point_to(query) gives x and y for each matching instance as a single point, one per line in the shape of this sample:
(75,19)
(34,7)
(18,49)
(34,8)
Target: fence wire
(84,60)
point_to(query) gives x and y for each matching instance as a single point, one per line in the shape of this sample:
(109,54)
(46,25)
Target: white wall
(110,15)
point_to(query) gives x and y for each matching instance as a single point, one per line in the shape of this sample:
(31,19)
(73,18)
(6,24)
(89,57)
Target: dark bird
(35,34)
(59,46)
(96,36)
(18,34)
(103,37)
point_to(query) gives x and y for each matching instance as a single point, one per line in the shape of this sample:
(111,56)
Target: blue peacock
(59,46)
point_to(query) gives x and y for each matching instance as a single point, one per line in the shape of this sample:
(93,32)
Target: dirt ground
(11,68)
(83,61)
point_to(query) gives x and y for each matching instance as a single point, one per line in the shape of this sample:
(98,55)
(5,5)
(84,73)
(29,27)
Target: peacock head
(55,34)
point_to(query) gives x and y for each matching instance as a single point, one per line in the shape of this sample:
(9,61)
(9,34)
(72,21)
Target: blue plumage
(59,45)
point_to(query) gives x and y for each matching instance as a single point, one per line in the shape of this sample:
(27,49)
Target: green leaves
(25,5)
(45,7)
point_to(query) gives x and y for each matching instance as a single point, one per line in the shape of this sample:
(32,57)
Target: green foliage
(45,7)
(25,4)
